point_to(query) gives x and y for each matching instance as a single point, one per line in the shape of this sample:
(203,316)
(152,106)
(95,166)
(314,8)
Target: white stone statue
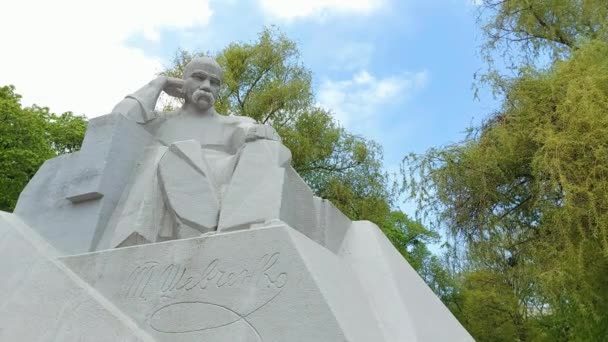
(209,166)
(180,191)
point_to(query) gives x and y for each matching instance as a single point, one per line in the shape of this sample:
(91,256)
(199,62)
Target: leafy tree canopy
(527,191)
(527,28)
(28,137)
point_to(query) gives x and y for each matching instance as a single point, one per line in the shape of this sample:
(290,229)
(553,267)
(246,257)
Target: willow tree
(525,29)
(527,191)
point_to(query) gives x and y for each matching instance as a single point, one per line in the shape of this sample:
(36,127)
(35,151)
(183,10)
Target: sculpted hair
(204,63)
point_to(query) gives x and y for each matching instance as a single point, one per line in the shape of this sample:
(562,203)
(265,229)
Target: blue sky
(396,71)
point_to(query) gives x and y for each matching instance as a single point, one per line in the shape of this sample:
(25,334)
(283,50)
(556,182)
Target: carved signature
(163,319)
(151,278)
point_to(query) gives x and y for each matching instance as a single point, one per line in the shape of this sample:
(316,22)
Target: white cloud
(351,56)
(71,54)
(355,101)
(293,9)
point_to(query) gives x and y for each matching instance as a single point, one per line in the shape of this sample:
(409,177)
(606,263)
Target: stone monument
(192,226)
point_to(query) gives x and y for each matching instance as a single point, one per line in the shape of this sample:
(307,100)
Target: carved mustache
(203,93)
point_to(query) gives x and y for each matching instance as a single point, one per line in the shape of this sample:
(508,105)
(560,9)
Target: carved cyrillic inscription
(188,290)
(151,278)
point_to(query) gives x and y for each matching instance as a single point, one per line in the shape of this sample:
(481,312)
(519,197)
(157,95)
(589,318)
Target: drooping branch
(559,35)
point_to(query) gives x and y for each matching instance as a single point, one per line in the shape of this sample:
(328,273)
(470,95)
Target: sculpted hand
(170,85)
(259,131)
(174,87)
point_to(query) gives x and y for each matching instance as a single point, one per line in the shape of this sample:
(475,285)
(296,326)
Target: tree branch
(558,33)
(255,82)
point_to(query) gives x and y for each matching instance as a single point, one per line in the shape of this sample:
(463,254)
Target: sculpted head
(202,79)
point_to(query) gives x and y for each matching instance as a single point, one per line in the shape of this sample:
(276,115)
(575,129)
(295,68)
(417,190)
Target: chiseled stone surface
(42,300)
(332,224)
(271,283)
(72,197)
(406,307)
(279,286)
(192,226)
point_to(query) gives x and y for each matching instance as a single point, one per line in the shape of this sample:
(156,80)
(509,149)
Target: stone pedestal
(271,283)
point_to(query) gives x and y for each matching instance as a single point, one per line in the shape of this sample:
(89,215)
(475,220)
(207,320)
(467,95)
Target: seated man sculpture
(143,177)
(204,169)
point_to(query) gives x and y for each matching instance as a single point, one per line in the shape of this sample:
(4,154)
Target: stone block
(331,222)
(140,213)
(42,300)
(266,284)
(71,198)
(298,207)
(254,194)
(187,188)
(400,299)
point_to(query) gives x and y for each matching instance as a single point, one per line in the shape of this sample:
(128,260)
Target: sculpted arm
(139,106)
(248,131)
(260,131)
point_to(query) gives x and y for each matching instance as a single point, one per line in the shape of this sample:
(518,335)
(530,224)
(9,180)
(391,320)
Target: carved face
(201,87)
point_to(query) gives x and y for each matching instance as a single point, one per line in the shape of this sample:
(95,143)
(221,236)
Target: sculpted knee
(266,152)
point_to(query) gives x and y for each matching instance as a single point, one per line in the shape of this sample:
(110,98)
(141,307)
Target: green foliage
(487,300)
(528,191)
(64,132)
(412,237)
(23,147)
(264,80)
(29,136)
(527,28)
